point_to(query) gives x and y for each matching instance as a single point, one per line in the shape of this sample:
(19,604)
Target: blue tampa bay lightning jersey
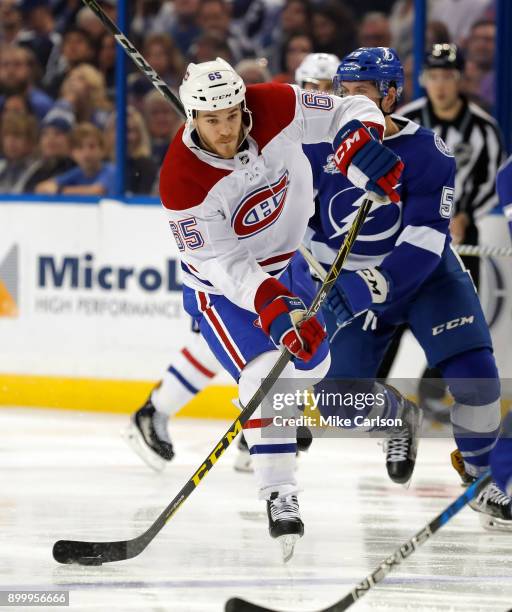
(406,240)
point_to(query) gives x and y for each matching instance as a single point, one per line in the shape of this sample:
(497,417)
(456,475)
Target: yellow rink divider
(101,395)
(119,396)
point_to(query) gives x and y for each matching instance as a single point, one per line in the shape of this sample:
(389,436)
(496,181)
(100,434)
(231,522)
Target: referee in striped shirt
(472,135)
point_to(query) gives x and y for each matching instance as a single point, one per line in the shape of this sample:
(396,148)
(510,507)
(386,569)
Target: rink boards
(90,306)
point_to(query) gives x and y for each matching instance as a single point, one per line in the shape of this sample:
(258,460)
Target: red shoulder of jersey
(273,108)
(185,180)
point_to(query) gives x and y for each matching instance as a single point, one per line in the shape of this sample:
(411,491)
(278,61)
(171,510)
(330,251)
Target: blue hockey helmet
(379,64)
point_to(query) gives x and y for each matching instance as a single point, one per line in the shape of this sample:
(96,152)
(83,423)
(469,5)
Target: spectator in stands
(471,84)
(39,34)
(162,122)
(16,103)
(18,139)
(374,31)
(147,15)
(208,47)
(54,153)
(295,17)
(458,15)
(480,50)
(84,93)
(106,62)
(334,29)
(163,55)
(361,7)
(86,20)
(214,18)
(179,20)
(252,18)
(77,48)
(253,71)
(437,33)
(93,176)
(11,21)
(295,50)
(401,23)
(141,170)
(16,77)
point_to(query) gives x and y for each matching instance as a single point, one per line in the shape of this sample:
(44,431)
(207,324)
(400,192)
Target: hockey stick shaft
(137,57)
(314,263)
(483,250)
(388,564)
(406,549)
(96,553)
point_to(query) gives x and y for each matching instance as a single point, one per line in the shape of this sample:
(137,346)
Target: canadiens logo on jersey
(261,208)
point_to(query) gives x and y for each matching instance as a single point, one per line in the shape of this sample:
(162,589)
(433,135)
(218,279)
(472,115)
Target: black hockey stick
(96,553)
(379,573)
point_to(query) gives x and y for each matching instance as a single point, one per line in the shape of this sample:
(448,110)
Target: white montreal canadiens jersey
(238,221)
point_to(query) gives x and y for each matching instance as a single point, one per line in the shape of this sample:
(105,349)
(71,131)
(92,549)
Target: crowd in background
(57,72)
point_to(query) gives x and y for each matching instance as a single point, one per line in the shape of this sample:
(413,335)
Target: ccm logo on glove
(366,162)
(282,318)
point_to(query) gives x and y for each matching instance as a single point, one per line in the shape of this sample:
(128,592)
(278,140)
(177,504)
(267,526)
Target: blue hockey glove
(355,292)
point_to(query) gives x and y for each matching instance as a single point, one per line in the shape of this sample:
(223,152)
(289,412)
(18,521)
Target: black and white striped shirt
(475,140)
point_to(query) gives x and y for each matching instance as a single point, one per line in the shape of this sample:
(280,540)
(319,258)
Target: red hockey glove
(378,169)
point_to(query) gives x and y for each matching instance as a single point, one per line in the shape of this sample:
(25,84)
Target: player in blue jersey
(402,270)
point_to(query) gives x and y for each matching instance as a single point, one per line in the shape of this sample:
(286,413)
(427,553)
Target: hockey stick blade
(237,604)
(88,553)
(96,553)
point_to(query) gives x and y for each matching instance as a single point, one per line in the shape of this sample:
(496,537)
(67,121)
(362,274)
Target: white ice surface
(69,475)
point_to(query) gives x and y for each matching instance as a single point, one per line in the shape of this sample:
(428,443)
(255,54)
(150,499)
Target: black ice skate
(402,446)
(284,522)
(243,461)
(148,436)
(494,506)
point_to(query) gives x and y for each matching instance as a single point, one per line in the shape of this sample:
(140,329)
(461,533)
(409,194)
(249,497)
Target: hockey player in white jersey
(238,192)
(192,367)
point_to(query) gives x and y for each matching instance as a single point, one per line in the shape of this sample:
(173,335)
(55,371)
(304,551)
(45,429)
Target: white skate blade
(287,544)
(243,463)
(491,523)
(134,439)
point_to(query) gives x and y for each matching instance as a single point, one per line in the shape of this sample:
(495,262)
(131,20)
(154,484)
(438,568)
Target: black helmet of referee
(444,55)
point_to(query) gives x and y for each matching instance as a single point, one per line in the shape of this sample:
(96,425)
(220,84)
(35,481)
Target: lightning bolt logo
(345,223)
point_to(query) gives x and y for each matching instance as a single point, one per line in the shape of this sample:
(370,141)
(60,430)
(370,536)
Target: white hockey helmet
(211,86)
(317,67)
